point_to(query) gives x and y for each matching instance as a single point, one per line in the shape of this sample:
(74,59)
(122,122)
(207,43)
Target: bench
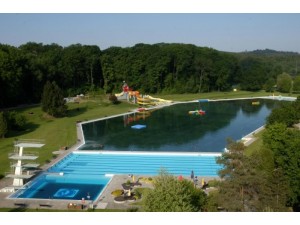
(20,204)
(76,206)
(46,205)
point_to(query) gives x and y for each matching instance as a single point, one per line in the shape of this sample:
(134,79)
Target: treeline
(268,179)
(25,70)
(158,68)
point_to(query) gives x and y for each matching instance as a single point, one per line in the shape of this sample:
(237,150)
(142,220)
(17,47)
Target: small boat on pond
(197,112)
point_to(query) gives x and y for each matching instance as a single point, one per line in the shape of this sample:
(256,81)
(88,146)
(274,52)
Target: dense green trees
(173,195)
(253,74)
(288,113)
(285,145)
(168,68)
(248,185)
(11,121)
(173,68)
(284,82)
(15,121)
(270,85)
(12,68)
(296,84)
(25,70)
(269,178)
(53,101)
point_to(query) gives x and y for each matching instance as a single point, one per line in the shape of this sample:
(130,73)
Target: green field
(221,95)
(58,132)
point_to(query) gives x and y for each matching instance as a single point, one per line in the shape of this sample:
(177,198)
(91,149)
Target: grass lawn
(257,144)
(220,95)
(58,132)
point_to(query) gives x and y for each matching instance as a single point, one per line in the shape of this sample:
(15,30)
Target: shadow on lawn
(29,127)
(19,209)
(76,111)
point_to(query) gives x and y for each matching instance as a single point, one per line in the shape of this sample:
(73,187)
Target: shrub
(113,99)
(138,193)
(117,192)
(132,209)
(16,121)
(213,183)
(148,180)
(171,195)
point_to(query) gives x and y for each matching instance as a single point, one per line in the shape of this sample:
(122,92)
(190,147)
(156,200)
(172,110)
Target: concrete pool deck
(105,200)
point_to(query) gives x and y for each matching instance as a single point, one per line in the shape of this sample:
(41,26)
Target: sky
(231,32)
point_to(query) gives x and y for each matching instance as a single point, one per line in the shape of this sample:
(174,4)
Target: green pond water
(172,129)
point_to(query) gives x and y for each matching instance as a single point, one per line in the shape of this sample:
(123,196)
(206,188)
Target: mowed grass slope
(219,95)
(56,132)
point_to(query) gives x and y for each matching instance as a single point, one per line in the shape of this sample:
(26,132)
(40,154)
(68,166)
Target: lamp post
(89,202)
(275,171)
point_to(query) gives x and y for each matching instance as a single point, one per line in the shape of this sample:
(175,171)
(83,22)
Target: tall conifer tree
(3,125)
(53,101)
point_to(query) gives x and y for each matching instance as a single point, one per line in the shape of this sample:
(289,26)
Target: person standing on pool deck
(192,175)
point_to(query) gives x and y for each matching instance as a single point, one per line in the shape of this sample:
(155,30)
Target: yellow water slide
(119,94)
(145,101)
(159,99)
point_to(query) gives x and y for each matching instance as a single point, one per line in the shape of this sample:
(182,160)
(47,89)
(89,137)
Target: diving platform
(23,170)
(27,165)
(29,145)
(11,189)
(22,157)
(20,176)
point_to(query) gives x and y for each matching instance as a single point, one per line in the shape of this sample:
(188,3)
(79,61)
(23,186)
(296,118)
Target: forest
(158,68)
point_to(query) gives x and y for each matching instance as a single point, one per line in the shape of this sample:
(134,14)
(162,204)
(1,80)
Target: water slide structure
(135,97)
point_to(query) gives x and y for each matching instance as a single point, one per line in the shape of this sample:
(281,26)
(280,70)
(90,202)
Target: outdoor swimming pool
(101,163)
(83,174)
(64,186)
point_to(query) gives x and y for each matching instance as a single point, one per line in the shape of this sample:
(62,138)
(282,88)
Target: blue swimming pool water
(99,163)
(55,186)
(83,174)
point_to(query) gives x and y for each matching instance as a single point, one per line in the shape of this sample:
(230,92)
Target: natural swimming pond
(172,129)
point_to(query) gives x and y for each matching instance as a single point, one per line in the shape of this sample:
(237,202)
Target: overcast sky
(226,32)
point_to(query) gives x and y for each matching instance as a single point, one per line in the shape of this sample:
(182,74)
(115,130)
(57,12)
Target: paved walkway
(250,138)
